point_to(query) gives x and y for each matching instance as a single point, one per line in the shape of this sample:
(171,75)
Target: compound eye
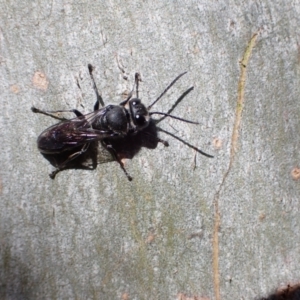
(140,120)
(135,102)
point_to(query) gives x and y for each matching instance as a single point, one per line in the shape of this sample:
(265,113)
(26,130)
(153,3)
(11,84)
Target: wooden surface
(186,226)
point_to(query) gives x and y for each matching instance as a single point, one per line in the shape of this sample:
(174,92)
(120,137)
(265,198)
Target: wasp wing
(72,133)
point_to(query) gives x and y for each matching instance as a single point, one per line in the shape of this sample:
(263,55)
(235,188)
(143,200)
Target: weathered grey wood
(94,235)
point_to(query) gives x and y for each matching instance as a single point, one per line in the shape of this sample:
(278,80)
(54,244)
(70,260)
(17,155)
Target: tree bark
(187,226)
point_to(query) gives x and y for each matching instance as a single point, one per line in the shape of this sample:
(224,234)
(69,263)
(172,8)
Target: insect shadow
(109,133)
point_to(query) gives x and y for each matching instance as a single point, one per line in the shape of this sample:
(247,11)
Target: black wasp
(111,125)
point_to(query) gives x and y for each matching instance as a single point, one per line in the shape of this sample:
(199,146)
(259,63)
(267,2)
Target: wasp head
(139,114)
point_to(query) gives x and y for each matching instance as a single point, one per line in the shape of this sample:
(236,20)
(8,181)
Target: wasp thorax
(116,119)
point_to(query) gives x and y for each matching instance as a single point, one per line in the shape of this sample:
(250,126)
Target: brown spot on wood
(125,296)
(217,143)
(262,216)
(40,81)
(14,89)
(295,173)
(150,238)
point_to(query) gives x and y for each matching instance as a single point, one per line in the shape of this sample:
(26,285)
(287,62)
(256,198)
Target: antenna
(167,88)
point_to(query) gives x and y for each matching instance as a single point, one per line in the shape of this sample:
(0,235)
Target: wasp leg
(71,157)
(137,78)
(50,113)
(165,143)
(113,152)
(99,100)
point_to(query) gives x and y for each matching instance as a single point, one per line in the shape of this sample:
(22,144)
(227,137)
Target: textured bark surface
(186,226)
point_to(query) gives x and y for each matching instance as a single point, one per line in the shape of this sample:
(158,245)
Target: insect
(110,125)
